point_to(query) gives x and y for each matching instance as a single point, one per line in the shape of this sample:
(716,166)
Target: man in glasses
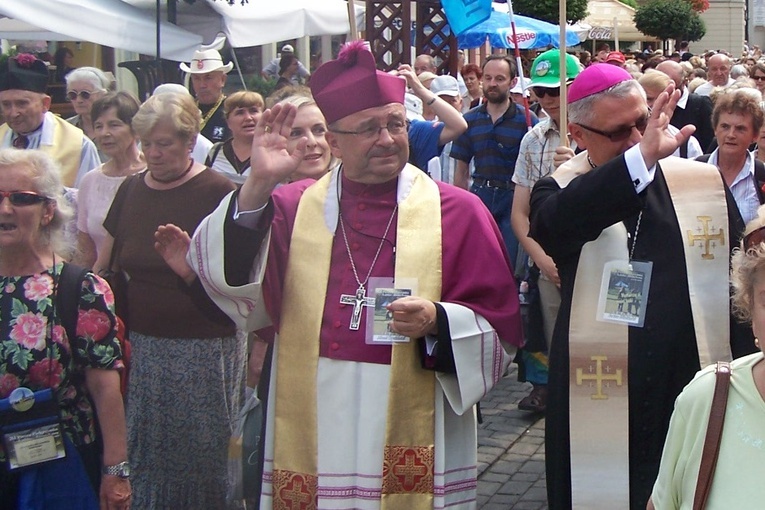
(536,160)
(492,140)
(29,124)
(389,293)
(642,246)
(691,108)
(208,77)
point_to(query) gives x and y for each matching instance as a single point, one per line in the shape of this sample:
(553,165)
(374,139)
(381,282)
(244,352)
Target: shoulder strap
(704,158)
(759,179)
(68,292)
(714,435)
(213,154)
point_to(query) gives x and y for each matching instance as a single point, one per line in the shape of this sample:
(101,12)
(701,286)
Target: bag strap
(68,293)
(714,435)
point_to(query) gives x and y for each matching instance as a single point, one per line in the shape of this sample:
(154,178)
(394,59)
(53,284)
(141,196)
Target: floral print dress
(29,358)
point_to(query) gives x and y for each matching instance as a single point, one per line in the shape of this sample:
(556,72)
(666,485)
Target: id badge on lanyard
(31,428)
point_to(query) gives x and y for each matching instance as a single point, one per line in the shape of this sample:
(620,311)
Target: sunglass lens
(71,96)
(22,199)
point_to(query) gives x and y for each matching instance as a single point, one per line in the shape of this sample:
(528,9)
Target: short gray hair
(746,267)
(46,175)
(92,75)
(582,111)
(178,109)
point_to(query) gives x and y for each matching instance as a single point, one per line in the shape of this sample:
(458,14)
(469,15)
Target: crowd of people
(361,238)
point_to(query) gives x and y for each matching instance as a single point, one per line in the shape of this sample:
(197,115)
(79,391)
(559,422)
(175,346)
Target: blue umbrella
(532,33)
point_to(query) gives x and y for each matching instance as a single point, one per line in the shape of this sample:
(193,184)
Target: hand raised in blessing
(657,142)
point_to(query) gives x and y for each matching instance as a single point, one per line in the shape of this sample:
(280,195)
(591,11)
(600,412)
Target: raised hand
(172,244)
(270,160)
(657,142)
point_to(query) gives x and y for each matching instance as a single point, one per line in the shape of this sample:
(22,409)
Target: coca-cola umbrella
(532,33)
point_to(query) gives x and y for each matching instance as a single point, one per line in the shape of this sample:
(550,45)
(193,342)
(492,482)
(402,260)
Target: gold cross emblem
(706,237)
(599,377)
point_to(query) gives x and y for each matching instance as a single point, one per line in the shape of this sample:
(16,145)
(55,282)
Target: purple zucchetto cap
(594,79)
(352,83)
(24,72)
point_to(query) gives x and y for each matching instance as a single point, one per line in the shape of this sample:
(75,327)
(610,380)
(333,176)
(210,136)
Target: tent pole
(354,31)
(159,20)
(238,67)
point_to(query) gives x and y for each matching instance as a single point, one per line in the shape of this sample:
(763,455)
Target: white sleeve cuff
(640,175)
(247,219)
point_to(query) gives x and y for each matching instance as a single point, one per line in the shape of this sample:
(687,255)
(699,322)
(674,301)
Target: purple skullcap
(352,83)
(594,79)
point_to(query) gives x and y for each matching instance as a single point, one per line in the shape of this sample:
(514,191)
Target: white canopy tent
(258,21)
(111,23)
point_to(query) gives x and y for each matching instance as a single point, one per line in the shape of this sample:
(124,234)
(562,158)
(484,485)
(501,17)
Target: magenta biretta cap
(594,79)
(352,83)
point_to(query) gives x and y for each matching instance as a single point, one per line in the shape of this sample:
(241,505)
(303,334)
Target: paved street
(511,467)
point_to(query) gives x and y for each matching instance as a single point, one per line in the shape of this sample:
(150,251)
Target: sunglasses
(753,238)
(623,133)
(541,92)
(758,78)
(22,198)
(84,95)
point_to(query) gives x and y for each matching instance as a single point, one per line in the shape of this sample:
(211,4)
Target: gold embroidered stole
(409,449)
(598,351)
(66,149)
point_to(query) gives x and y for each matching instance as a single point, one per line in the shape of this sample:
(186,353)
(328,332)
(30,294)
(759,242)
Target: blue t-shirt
(423,142)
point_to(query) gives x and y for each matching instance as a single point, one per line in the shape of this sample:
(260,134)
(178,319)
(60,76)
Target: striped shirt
(494,146)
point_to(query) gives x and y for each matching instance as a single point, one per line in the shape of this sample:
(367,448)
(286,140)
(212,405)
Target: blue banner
(464,14)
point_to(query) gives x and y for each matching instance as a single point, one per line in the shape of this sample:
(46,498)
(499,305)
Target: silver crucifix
(358,301)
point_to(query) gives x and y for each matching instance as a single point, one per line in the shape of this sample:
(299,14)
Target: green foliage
(261,85)
(670,19)
(631,3)
(547,10)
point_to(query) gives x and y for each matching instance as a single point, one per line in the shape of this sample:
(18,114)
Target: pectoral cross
(358,301)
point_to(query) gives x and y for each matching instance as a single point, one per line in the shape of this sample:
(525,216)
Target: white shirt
(706,88)
(743,188)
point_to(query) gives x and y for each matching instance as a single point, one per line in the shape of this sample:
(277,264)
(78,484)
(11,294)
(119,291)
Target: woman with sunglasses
(741,456)
(757,74)
(38,353)
(539,154)
(84,86)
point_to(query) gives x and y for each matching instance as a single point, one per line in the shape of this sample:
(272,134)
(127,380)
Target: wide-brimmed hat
(24,72)
(206,61)
(352,83)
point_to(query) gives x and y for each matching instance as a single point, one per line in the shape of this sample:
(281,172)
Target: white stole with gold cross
(598,351)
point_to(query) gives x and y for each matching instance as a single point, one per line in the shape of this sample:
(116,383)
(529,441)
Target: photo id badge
(379,318)
(624,292)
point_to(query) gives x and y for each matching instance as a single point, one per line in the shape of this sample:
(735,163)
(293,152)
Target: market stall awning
(258,21)
(107,22)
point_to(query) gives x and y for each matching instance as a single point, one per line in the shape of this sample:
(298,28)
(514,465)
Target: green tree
(547,10)
(670,19)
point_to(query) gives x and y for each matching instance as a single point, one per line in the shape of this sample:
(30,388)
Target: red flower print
(46,372)
(8,383)
(102,288)
(59,337)
(29,330)
(38,287)
(93,325)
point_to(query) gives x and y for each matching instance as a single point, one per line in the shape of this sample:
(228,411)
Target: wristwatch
(122,470)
